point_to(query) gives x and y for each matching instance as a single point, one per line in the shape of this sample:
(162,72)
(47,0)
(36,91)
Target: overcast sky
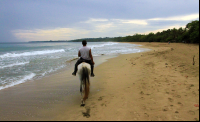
(41,20)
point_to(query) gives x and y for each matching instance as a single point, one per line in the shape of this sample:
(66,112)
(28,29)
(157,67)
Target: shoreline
(42,99)
(69,66)
(40,73)
(126,87)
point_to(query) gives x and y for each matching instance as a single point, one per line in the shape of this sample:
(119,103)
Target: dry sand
(161,84)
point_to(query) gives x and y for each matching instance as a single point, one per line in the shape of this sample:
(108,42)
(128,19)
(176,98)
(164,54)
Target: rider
(85,55)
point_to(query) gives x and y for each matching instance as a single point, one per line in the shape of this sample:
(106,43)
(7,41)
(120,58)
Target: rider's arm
(79,53)
(90,53)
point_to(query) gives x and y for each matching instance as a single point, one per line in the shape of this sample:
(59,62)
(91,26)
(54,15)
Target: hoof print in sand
(191,112)
(141,92)
(87,113)
(176,112)
(100,98)
(170,99)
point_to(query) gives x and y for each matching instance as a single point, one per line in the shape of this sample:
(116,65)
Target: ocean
(21,62)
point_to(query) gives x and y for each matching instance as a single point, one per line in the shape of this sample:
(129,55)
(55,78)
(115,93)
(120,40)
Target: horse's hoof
(82,103)
(74,74)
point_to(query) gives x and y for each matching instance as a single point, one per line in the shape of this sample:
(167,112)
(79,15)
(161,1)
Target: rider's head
(84,42)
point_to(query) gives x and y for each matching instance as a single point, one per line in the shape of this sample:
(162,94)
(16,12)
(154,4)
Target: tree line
(189,34)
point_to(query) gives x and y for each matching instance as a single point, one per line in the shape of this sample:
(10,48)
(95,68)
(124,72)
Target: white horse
(84,70)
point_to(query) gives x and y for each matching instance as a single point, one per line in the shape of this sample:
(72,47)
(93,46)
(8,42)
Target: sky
(44,20)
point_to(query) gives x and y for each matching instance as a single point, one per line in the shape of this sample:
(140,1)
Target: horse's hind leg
(83,94)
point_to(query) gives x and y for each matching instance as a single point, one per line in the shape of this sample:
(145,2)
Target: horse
(84,70)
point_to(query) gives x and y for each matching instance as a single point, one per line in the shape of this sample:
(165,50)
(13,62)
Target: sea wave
(15,64)
(28,77)
(102,45)
(11,55)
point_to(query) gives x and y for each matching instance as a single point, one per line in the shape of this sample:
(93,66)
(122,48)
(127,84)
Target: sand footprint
(87,113)
(141,92)
(146,115)
(100,98)
(176,117)
(193,92)
(170,99)
(165,108)
(142,98)
(104,104)
(191,112)
(137,114)
(178,96)
(176,112)
(180,103)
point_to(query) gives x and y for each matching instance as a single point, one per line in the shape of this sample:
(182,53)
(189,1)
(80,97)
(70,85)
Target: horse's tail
(85,78)
(86,82)
(85,75)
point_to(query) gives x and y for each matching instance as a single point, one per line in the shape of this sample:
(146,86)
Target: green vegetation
(189,34)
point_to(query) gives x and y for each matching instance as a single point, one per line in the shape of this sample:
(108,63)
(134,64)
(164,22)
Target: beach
(157,85)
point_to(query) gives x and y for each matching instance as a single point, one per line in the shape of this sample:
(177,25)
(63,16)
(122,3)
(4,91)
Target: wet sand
(44,99)
(160,85)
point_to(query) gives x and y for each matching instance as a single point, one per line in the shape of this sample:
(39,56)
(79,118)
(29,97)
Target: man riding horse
(85,55)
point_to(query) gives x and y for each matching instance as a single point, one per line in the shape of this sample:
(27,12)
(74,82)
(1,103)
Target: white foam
(52,70)
(7,55)
(102,45)
(28,77)
(15,64)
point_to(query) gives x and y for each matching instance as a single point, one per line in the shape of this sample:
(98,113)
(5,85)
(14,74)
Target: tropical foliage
(189,34)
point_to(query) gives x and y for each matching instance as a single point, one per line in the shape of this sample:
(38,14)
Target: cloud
(133,21)
(103,27)
(49,34)
(95,20)
(130,21)
(178,18)
(108,25)
(54,20)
